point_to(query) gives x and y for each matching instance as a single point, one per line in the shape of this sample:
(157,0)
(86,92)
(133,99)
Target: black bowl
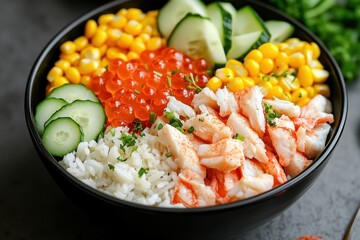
(216,222)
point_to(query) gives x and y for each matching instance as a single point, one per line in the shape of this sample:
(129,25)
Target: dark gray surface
(33,207)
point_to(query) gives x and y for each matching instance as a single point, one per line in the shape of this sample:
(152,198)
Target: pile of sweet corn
(289,70)
(123,35)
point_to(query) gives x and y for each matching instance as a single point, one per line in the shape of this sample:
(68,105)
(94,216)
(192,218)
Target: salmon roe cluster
(136,89)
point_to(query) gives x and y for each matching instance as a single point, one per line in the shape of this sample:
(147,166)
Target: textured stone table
(33,207)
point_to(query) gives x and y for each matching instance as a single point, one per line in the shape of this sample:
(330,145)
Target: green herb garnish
(142,171)
(127,141)
(193,83)
(270,115)
(160,126)
(121,159)
(152,117)
(168,154)
(191,129)
(238,137)
(111,167)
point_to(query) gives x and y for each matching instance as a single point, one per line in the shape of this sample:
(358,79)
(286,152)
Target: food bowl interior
(284,195)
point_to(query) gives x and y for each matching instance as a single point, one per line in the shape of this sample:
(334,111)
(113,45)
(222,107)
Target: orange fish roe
(136,89)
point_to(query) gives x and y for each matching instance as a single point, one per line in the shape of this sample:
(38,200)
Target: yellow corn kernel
(91,52)
(298,94)
(113,34)
(148,30)
(303,101)
(106,18)
(310,91)
(282,69)
(315,50)
(235,85)
(266,65)
(260,77)
(134,14)
(73,75)
(252,66)
(63,64)
(125,41)
(144,37)
(90,28)
(100,71)
(152,13)
(282,46)
(296,60)
(305,76)
(48,89)
(265,87)
(248,82)
(104,62)
(287,96)
(284,84)
(80,43)
(138,46)
(88,66)
(133,27)
(214,84)
(323,89)
(132,55)
(113,53)
(59,81)
(273,80)
(54,73)
(154,43)
(269,50)
(103,27)
(225,74)
(281,59)
(86,80)
(103,49)
(320,75)
(148,20)
(237,67)
(254,54)
(73,58)
(99,38)
(122,12)
(275,91)
(118,22)
(68,47)
(316,64)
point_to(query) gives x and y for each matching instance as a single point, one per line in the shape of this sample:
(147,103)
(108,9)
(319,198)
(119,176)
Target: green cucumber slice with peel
(62,136)
(45,109)
(197,37)
(279,30)
(223,15)
(72,92)
(174,10)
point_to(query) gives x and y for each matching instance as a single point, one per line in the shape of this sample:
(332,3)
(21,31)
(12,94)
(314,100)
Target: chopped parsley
(137,125)
(127,141)
(111,167)
(238,137)
(121,159)
(152,117)
(160,126)
(168,154)
(192,82)
(191,129)
(142,134)
(201,119)
(174,121)
(137,91)
(270,115)
(175,71)
(169,81)
(142,171)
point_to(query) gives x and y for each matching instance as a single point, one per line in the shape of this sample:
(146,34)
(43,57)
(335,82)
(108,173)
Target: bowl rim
(29,117)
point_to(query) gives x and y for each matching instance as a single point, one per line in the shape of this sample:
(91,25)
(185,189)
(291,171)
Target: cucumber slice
(72,92)
(223,15)
(249,21)
(174,10)
(279,30)
(198,37)
(250,33)
(62,136)
(88,114)
(243,44)
(45,109)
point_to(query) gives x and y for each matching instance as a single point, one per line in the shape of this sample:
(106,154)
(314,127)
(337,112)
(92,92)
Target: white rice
(97,164)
